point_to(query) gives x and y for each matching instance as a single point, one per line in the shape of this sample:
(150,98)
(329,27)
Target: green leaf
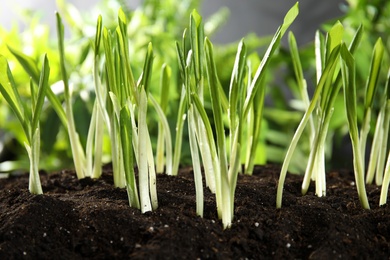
(328,72)
(9,91)
(335,36)
(61,49)
(375,67)
(98,35)
(127,150)
(260,73)
(289,18)
(236,82)
(166,73)
(196,39)
(32,70)
(28,64)
(42,87)
(148,67)
(348,71)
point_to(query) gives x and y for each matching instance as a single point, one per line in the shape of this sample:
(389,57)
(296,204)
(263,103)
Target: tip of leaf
(122,16)
(290,17)
(196,17)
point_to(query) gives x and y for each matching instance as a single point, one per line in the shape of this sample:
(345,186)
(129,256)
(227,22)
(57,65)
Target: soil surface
(90,219)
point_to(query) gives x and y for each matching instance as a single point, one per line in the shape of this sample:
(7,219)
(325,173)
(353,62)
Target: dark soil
(80,219)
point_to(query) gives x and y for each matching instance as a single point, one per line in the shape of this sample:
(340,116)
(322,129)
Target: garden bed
(88,218)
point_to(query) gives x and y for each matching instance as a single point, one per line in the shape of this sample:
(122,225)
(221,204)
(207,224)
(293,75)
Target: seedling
(28,116)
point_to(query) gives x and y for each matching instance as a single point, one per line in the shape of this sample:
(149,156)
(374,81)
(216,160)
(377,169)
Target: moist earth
(90,219)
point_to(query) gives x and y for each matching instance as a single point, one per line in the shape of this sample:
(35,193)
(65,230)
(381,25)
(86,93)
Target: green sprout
(164,142)
(383,134)
(241,100)
(349,85)
(28,116)
(326,74)
(371,88)
(77,149)
(125,115)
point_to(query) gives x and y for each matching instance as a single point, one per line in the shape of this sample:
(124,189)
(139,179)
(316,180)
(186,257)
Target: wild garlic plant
(320,119)
(379,145)
(221,163)
(327,87)
(124,102)
(78,153)
(379,166)
(331,76)
(28,116)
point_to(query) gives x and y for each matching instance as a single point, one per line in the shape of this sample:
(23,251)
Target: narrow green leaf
(77,149)
(9,91)
(236,82)
(328,70)
(127,149)
(296,59)
(148,66)
(61,48)
(165,129)
(335,37)
(42,87)
(166,73)
(196,40)
(28,64)
(98,35)
(143,153)
(375,67)
(289,18)
(348,70)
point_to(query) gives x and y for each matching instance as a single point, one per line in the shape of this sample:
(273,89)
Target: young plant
(164,142)
(96,129)
(385,114)
(326,75)
(238,105)
(371,87)
(348,72)
(28,116)
(322,104)
(128,99)
(191,68)
(320,120)
(77,149)
(379,149)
